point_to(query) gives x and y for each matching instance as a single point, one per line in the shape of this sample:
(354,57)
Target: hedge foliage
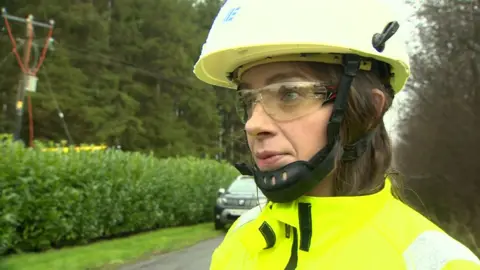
(50,199)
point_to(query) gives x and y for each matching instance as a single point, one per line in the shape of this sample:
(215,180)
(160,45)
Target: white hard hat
(249,32)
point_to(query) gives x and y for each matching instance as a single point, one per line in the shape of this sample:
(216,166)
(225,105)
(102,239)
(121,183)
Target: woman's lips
(269,163)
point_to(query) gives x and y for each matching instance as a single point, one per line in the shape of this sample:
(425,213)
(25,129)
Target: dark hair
(366,174)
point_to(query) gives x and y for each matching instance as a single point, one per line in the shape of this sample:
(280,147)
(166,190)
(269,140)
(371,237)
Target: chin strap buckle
(356,149)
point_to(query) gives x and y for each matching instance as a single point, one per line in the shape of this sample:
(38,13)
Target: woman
(314,78)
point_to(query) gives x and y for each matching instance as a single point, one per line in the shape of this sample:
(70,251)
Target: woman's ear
(378,98)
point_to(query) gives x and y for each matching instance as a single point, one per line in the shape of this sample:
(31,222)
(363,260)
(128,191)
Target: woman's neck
(323,189)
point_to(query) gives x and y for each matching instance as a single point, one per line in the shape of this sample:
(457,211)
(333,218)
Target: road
(196,257)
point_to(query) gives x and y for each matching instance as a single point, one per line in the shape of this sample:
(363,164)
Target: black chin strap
(244,169)
(351,64)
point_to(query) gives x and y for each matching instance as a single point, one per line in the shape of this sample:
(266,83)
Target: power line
(104,58)
(59,111)
(107,59)
(110,60)
(4,60)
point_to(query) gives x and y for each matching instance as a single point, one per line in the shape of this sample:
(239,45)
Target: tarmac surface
(196,257)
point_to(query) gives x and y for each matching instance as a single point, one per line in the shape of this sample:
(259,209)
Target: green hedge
(50,199)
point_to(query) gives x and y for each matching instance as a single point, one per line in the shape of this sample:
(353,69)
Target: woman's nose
(259,123)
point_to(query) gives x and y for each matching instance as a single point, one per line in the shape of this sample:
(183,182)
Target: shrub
(50,199)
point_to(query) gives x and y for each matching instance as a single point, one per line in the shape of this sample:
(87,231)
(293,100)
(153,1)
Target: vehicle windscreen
(244,185)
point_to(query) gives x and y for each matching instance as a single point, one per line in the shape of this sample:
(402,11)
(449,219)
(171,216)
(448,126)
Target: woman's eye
(290,95)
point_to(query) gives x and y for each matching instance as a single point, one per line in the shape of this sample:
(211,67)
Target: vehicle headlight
(221,201)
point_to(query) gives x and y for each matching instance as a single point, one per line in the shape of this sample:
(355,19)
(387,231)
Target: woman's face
(276,143)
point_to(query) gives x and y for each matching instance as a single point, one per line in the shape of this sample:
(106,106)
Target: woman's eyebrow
(284,76)
(275,78)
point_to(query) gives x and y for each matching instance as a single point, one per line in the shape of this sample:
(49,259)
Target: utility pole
(22,83)
(28,79)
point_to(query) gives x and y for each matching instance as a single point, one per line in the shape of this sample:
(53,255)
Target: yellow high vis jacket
(374,232)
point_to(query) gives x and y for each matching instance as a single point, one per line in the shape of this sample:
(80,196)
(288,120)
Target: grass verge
(109,254)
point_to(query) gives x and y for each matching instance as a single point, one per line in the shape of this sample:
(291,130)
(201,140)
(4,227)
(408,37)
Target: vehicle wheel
(218,225)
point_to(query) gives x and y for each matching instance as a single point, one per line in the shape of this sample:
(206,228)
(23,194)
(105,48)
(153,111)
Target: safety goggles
(284,101)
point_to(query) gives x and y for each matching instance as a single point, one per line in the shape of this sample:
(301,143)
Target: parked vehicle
(241,196)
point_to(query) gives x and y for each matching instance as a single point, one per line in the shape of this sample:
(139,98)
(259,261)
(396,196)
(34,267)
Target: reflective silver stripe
(248,216)
(432,250)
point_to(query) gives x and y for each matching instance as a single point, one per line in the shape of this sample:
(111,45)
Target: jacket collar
(319,218)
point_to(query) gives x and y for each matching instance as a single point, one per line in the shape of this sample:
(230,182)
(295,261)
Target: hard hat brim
(216,67)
